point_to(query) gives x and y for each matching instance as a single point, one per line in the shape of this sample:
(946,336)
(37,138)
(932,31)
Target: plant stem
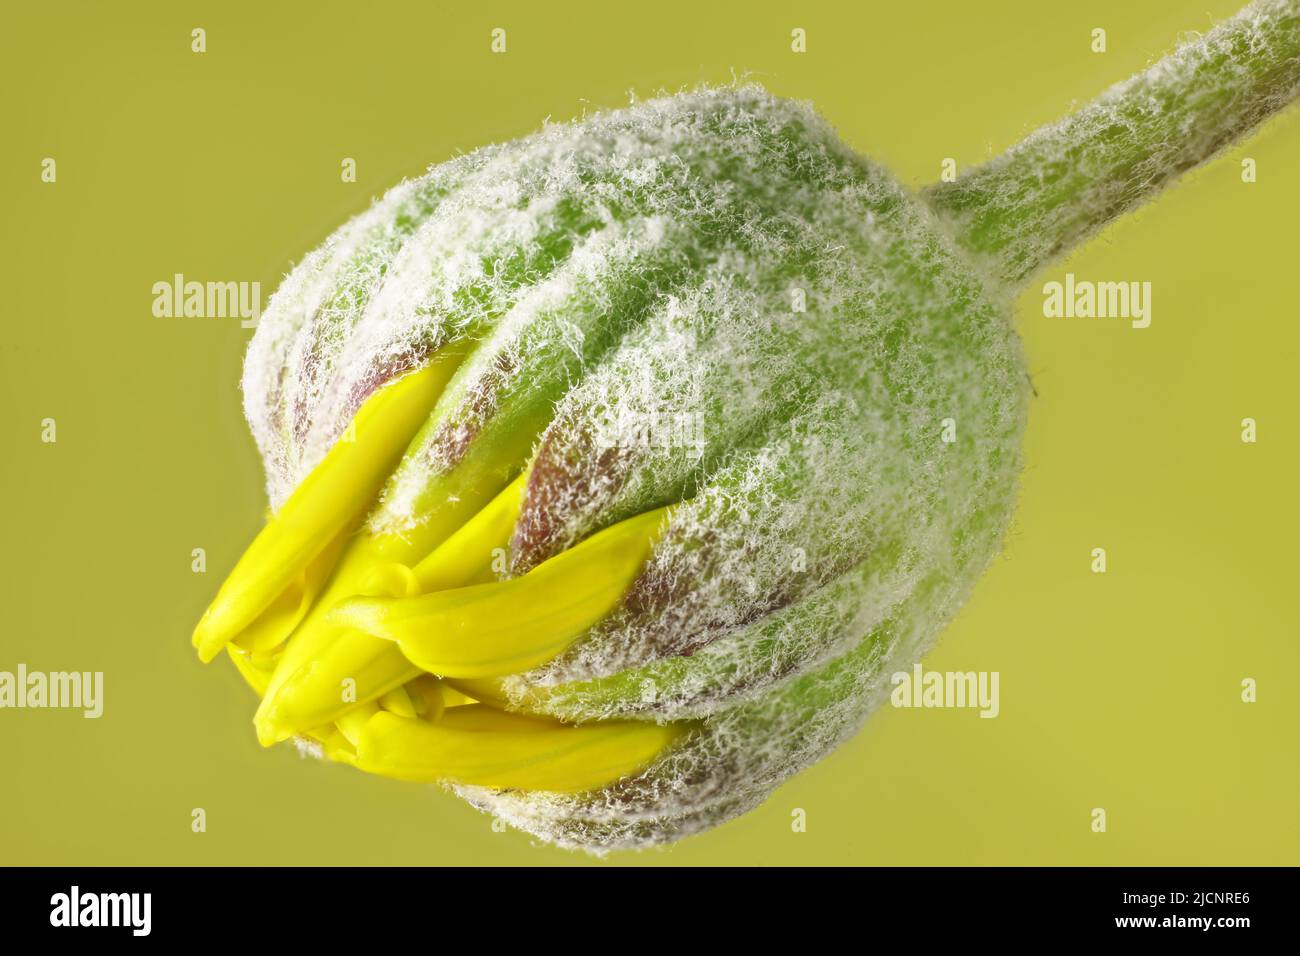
(1063,183)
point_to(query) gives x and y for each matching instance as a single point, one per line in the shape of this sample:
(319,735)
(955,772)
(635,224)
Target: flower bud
(614,469)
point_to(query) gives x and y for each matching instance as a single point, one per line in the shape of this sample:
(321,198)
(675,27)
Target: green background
(1119,690)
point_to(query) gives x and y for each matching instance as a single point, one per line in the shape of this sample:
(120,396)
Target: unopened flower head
(573,513)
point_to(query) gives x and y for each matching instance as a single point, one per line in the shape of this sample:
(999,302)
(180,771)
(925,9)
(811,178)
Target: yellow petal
(398,702)
(328,654)
(429,696)
(254,668)
(274,625)
(470,551)
(485,689)
(336,746)
(352,723)
(489,630)
(478,745)
(335,495)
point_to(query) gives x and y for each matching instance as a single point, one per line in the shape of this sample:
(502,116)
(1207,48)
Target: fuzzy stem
(1058,187)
